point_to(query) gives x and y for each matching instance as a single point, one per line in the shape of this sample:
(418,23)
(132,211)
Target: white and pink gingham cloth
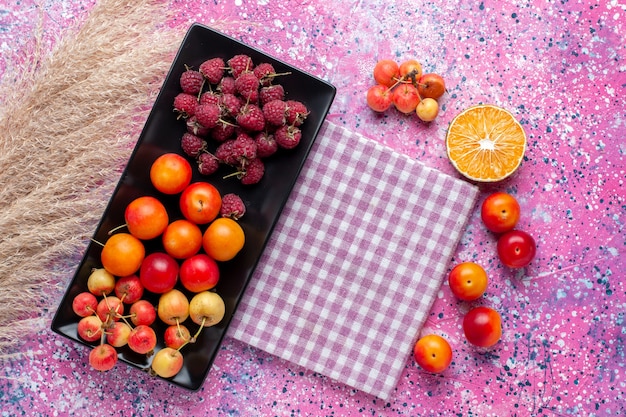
(355,261)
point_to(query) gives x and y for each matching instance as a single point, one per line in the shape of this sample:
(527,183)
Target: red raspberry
(265,73)
(213,69)
(265,145)
(275,112)
(209,97)
(252,97)
(192,145)
(254,172)
(196,128)
(207,163)
(226,86)
(247,86)
(224,152)
(239,64)
(296,112)
(231,104)
(244,148)
(208,115)
(272,92)
(232,206)
(222,131)
(185,105)
(288,137)
(251,118)
(191,81)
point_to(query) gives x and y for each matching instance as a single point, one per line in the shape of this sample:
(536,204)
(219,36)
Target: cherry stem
(96,242)
(404,79)
(98,317)
(180,332)
(126,321)
(115,229)
(398,81)
(195,336)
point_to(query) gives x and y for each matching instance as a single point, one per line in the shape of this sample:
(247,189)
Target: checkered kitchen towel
(355,261)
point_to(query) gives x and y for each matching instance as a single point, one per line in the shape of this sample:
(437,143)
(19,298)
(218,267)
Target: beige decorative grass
(69,120)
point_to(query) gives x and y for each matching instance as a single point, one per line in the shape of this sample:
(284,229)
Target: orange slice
(486,143)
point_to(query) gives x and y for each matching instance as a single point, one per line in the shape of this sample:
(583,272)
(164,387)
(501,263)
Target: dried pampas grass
(68,124)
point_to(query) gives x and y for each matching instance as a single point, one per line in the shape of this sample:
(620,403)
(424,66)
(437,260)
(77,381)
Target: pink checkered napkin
(355,261)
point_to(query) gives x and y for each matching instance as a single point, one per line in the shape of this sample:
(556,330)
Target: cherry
(379,97)
(386,72)
(427,109)
(406,98)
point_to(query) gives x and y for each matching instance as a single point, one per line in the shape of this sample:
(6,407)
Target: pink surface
(560,68)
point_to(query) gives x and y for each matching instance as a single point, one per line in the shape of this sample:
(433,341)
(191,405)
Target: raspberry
(191,81)
(252,97)
(251,118)
(232,206)
(207,163)
(185,105)
(192,144)
(231,104)
(226,86)
(287,137)
(265,145)
(296,112)
(196,128)
(222,131)
(253,172)
(272,92)
(247,85)
(224,152)
(244,148)
(239,64)
(243,111)
(209,98)
(275,112)
(213,69)
(208,115)
(265,73)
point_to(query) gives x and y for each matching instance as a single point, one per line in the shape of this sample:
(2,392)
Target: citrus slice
(486,143)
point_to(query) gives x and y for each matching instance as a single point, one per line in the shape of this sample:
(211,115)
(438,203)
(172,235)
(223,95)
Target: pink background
(560,67)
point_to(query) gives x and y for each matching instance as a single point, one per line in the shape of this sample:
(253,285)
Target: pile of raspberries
(239,107)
